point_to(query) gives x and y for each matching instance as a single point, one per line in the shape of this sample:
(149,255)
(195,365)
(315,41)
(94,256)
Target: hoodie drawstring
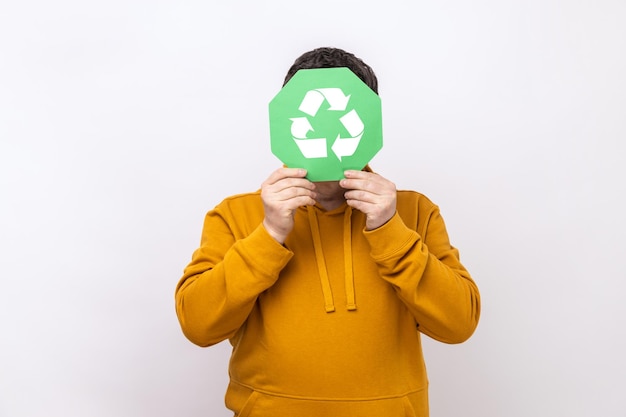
(329,303)
(347,258)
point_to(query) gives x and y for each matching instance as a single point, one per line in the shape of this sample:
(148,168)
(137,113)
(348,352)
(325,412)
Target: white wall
(123,122)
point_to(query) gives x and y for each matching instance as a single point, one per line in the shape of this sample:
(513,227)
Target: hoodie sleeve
(224,278)
(428,276)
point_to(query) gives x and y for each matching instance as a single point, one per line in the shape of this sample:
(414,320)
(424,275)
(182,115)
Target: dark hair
(332,58)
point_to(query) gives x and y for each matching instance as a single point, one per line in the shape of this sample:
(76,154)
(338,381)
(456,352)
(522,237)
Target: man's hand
(282,193)
(371,194)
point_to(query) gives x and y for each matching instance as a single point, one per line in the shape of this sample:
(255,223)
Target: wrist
(277,236)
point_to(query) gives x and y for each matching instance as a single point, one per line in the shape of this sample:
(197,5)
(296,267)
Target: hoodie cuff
(270,256)
(390,239)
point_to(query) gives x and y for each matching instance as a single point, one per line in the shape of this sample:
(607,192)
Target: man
(323,289)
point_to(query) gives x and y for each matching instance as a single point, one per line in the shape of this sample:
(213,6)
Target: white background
(123,122)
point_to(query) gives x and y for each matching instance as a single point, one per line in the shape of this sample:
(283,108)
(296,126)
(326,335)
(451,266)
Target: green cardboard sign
(325,120)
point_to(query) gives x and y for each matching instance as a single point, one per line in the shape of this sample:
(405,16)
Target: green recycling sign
(325,120)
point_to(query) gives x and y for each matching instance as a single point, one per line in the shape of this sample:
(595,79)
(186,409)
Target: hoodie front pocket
(416,404)
(261,405)
(409,411)
(247,402)
(248,406)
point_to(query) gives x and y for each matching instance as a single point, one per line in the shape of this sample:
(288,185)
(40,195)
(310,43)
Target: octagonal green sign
(325,120)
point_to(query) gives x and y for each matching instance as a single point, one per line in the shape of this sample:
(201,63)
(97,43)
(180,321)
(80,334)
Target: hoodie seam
(331,399)
(400,249)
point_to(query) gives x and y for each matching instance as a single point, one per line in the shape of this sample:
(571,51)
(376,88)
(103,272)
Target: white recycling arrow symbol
(316,147)
(347,146)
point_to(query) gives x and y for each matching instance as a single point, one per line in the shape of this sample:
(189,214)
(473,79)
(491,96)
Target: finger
(282,173)
(291,204)
(294,192)
(360,174)
(293,182)
(360,195)
(366,185)
(302,201)
(360,205)
(367,181)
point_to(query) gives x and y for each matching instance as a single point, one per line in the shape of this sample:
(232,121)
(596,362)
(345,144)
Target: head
(332,58)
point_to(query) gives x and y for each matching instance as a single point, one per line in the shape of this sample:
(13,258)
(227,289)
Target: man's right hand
(282,193)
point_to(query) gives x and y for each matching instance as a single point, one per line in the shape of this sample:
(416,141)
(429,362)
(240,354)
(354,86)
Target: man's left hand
(371,194)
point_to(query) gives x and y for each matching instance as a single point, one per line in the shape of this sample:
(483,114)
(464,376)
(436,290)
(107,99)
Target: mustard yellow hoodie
(329,324)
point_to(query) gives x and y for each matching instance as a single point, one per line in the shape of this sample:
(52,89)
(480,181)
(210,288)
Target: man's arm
(424,270)
(221,284)
(227,273)
(428,277)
